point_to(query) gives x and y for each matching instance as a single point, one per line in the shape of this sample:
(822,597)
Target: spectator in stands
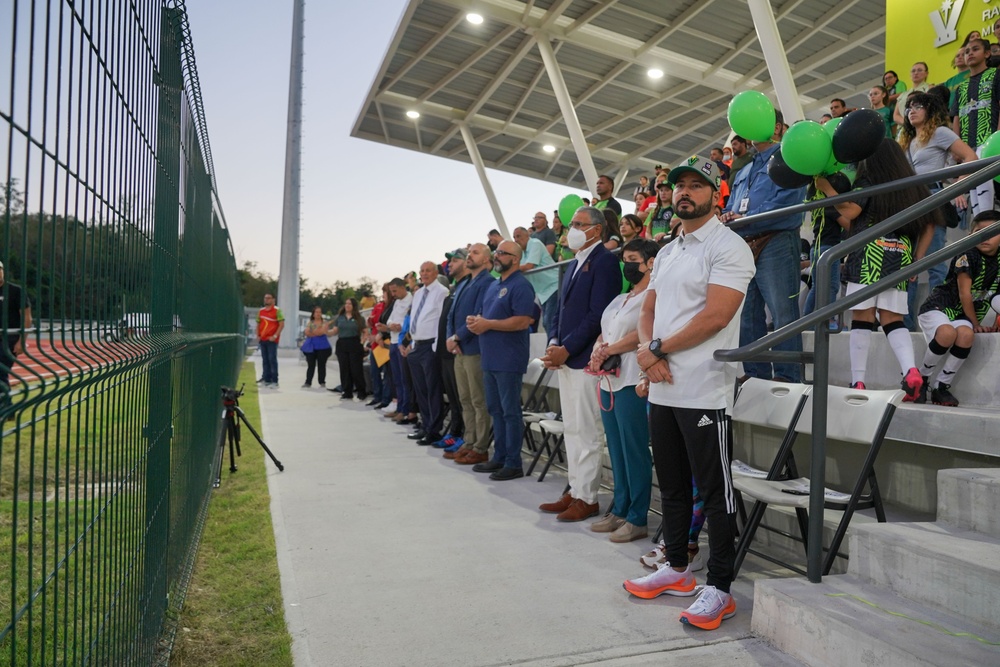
(838,108)
(18,308)
(893,86)
(590,282)
(954,311)
(976,102)
(630,227)
(424,364)
(622,410)
(493,239)
(562,251)
(540,230)
(508,310)
(465,345)
(962,71)
(612,233)
(457,272)
(350,328)
(877,96)
(367,301)
(640,202)
(544,283)
(828,225)
(691,433)
(643,188)
(605,191)
(930,145)
(402,300)
(918,75)
(882,257)
(743,153)
(727,156)
(270,324)
(316,348)
(775,246)
(381,376)
(825,118)
(659,221)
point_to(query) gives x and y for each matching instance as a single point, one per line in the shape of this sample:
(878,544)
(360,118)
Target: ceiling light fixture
(474,19)
(654,73)
(413,114)
(549,148)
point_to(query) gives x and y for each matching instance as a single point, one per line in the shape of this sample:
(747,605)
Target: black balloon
(858,135)
(783,175)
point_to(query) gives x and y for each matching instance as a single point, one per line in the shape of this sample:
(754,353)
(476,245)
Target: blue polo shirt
(468,300)
(507,351)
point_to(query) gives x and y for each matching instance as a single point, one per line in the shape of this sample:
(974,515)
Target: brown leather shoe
(472,458)
(558,506)
(579,511)
(459,453)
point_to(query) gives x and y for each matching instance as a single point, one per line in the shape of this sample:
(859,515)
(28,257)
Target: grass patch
(233,613)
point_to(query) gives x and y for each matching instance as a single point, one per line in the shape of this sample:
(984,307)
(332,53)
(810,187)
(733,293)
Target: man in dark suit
(591,281)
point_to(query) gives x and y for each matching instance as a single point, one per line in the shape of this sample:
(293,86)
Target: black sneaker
(942,396)
(261,381)
(922,393)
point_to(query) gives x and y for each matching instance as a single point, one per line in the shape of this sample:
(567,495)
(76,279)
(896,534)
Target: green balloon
(751,115)
(807,148)
(568,207)
(991,148)
(832,167)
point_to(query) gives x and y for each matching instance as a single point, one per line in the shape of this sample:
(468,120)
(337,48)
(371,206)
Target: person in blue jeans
(503,330)
(623,411)
(775,244)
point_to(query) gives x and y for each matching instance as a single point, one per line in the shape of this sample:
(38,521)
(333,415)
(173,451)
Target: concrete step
(932,563)
(970,498)
(845,621)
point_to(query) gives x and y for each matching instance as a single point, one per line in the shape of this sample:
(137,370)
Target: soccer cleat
(665,580)
(911,385)
(710,609)
(943,396)
(658,556)
(858,385)
(922,394)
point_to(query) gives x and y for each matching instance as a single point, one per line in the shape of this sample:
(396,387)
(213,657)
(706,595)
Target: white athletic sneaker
(389,408)
(665,580)
(710,609)
(658,556)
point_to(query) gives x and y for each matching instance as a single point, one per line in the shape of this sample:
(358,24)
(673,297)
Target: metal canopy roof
(491,76)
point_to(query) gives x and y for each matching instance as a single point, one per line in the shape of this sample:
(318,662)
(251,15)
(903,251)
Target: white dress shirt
(426,311)
(400,309)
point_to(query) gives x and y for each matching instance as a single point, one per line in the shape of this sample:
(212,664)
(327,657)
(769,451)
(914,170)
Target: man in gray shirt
(540,230)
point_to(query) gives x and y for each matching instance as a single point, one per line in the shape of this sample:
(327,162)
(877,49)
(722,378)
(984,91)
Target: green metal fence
(111,226)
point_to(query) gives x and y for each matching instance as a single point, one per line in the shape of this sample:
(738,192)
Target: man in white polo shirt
(691,309)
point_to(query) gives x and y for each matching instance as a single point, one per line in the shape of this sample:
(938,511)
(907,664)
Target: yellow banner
(932,31)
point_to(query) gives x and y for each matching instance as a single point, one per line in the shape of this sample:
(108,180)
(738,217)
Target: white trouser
(583,432)
(981,199)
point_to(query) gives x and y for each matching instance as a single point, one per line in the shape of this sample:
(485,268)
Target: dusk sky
(367,209)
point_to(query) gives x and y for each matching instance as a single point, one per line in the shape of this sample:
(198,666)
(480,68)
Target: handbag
(952,217)
(307,345)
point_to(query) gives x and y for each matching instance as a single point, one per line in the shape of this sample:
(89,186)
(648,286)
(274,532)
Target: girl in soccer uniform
(882,257)
(953,312)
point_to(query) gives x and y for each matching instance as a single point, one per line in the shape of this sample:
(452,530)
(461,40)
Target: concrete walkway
(391,555)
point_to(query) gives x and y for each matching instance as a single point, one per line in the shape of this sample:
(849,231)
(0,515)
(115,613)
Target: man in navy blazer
(591,281)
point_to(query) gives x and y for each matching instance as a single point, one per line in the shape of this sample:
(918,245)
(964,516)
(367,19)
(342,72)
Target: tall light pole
(288,273)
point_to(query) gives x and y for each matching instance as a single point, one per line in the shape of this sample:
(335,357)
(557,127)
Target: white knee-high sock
(953,363)
(902,346)
(860,342)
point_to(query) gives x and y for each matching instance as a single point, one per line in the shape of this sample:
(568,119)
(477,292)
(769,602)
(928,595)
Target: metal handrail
(759,349)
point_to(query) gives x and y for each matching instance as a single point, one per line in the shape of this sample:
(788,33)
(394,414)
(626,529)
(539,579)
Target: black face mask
(632,272)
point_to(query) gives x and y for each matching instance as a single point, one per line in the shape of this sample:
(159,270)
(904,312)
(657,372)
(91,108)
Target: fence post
(158,425)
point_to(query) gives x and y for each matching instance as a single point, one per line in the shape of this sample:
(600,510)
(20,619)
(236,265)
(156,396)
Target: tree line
(255,283)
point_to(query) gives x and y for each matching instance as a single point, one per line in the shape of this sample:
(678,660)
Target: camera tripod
(231,429)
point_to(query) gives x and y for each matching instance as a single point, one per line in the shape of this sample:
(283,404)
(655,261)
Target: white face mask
(576,238)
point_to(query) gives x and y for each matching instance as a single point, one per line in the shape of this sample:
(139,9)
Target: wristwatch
(654,347)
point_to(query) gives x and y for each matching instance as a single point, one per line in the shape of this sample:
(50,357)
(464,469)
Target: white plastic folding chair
(853,416)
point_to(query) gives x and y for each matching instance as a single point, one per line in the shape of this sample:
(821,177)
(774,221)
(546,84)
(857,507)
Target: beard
(695,211)
(500,267)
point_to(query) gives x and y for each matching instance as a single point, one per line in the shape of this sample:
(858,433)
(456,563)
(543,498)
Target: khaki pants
(469,377)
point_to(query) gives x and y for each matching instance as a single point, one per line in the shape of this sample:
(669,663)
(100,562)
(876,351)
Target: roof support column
(620,180)
(477,162)
(777,61)
(568,112)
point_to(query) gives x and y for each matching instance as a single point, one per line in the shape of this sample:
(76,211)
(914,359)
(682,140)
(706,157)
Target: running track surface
(48,359)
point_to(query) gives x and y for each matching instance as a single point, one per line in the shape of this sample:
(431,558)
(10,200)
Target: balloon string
(929,624)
